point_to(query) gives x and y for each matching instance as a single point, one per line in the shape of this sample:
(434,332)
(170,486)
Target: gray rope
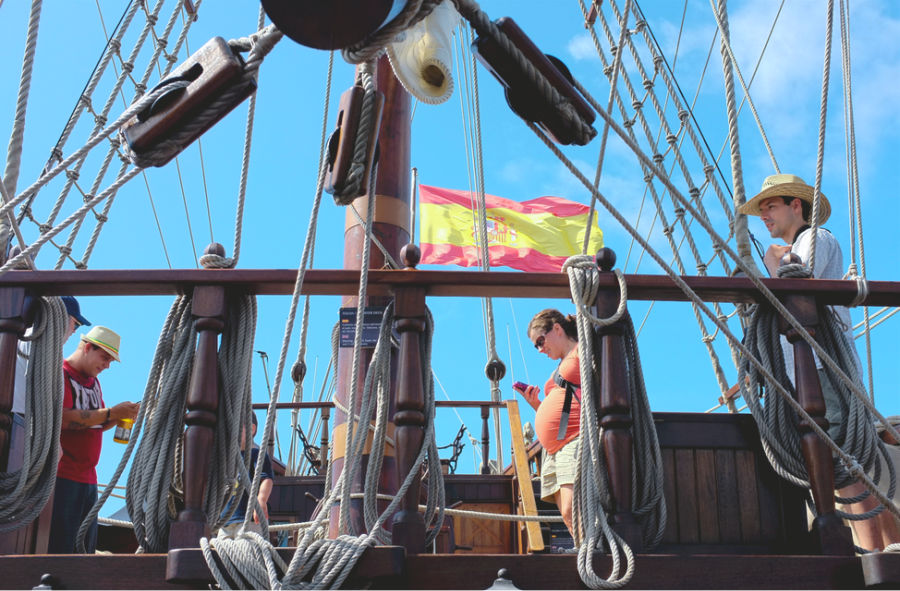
(591,492)
(820,151)
(213,260)
(856,437)
(371,47)
(741,233)
(16,139)
(24,492)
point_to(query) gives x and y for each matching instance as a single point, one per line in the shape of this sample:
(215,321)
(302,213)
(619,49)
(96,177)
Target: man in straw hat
(785,206)
(85,417)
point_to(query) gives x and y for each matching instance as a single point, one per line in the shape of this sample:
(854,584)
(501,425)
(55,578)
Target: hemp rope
(24,492)
(591,494)
(16,139)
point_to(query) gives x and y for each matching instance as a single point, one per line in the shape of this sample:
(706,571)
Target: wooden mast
(391,227)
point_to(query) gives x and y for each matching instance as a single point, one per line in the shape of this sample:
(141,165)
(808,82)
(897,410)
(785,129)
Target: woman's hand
(530,394)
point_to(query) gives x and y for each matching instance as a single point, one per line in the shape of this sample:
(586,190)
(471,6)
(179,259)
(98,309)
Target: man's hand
(773,257)
(124,410)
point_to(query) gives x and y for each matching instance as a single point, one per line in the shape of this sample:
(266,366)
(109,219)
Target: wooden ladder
(527,504)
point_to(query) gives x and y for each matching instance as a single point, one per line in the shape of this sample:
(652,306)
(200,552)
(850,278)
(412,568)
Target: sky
(167,216)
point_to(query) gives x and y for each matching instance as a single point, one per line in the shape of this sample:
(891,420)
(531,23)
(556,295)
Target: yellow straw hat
(104,338)
(786,185)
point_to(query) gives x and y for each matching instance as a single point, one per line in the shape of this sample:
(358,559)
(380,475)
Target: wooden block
(685,480)
(707,496)
(727,495)
(745,463)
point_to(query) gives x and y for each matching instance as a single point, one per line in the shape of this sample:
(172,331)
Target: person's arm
(530,394)
(265,490)
(105,417)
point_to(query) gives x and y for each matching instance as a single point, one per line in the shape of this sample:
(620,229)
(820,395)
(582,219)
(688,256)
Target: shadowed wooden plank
(671,493)
(745,463)
(685,479)
(529,507)
(727,494)
(706,495)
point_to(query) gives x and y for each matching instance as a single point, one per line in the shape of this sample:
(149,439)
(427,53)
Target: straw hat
(786,185)
(104,338)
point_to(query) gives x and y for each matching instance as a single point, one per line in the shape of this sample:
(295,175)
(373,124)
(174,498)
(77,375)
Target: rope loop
(584,283)
(215,261)
(794,271)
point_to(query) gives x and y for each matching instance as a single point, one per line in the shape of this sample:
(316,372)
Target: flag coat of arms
(536,235)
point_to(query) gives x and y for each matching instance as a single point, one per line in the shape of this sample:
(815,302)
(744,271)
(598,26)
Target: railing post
(485,440)
(12,326)
(323,442)
(615,411)
(208,311)
(829,531)
(408,525)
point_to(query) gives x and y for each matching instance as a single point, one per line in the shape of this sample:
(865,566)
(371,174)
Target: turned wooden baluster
(12,326)
(408,525)
(485,440)
(829,532)
(208,311)
(323,442)
(615,411)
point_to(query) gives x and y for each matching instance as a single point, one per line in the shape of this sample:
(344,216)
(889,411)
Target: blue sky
(517,165)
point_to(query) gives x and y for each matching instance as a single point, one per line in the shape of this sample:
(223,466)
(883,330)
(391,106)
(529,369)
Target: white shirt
(829,265)
(23,352)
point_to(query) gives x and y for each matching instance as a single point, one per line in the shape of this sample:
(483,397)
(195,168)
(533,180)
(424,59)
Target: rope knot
(127,67)
(607,71)
(658,158)
(647,84)
(101,217)
(140,88)
(628,124)
(667,230)
(72,175)
(709,169)
(152,18)
(80,265)
(44,228)
(671,138)
(636,104)
(639,25)
(65,250)
(694,193)
(683,115)
(100,120)
(215,261)
(115,45)
(701,269)
(162,42)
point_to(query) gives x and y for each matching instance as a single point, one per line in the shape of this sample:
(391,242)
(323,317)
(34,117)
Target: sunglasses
(539,342)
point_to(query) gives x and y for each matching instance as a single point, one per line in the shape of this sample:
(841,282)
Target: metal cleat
(524,95)
(342,145)
(205,88)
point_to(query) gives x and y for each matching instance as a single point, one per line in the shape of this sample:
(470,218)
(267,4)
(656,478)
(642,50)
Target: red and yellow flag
(535,235)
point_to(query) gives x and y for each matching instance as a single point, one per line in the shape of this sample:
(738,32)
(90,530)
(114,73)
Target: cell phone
(520,386)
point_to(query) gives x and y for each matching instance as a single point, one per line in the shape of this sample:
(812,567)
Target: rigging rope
(16,139)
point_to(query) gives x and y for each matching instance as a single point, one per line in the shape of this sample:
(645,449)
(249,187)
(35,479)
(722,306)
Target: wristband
(107,416)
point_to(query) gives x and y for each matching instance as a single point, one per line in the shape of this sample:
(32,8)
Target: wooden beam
(523,476)
(436,283)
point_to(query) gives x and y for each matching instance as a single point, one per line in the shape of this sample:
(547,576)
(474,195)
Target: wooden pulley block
(211,72)
(330,24)
(523,94)
(342,142)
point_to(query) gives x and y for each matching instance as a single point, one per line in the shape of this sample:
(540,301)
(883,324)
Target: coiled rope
(591,493)
(24,492)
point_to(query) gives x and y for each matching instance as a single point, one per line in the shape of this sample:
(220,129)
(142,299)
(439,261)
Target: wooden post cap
(410,255)
(606,259)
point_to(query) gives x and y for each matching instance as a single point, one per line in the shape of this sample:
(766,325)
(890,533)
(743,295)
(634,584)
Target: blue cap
(74,310)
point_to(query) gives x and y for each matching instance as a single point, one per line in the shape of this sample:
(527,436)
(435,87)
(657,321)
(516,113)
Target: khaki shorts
(558,469)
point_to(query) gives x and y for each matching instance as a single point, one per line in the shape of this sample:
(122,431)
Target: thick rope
(820,151)
(591,494)
(24,492)
(370,48)
(209,261)
(16,139)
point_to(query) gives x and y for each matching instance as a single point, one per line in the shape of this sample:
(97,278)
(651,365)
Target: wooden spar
(391,227)
(615,411)
(437,283)
(829,532)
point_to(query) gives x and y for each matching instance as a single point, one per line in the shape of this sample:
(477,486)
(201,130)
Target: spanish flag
(535,235)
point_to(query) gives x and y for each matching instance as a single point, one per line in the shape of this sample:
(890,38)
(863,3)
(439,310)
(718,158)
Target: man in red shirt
(85,417)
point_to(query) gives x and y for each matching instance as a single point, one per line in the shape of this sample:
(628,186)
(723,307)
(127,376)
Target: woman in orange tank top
(555,335)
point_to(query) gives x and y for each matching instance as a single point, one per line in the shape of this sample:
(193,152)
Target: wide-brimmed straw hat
(786,185)
(104,338)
